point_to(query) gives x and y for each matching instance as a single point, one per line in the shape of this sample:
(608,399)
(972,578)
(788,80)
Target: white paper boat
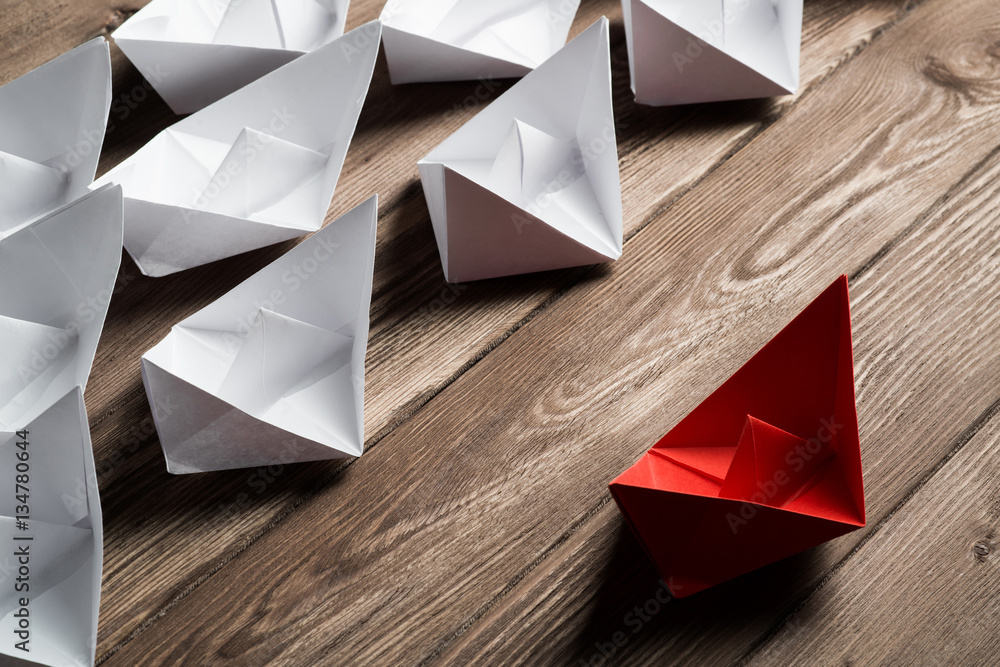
(195,52)
(257,167)
(52,123)
(274,371)
(63,538)
(531,183)
(688,51)
(56,280)
(455,40)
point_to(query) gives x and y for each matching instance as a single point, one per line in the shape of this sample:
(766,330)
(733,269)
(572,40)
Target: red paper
(767,466)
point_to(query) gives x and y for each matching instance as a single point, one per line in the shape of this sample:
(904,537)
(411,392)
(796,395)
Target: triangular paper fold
(273,371)
(455,40)
(255,168)
(195,52)
(57,275)
(52,123)
(266,169)
(62,538)
(531,183)
(764,450)
(56,279)
(529,159)
(784,432)
(270,365)
(27,188)
(688,51)
(710,462)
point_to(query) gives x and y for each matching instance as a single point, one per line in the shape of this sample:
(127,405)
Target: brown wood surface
(936,562)
(592,575)
(477,527)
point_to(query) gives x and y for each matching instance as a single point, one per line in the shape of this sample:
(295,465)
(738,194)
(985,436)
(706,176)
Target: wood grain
(930,574)
(166,535)
(506,462)
(914,337)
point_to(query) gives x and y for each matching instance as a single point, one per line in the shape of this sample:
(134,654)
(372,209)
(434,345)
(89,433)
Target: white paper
(531,183)
(57,276)
(195,52)
(689,51)
(273,371)
(52,123)
(455,40)
(257,167)
(65,549)
(56,280)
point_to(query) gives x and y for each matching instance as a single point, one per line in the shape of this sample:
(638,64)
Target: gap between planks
(963,438)
(977,172)
(421,401)
(960,442)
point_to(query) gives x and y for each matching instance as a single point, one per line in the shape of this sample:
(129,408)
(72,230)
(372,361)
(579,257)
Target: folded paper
(767,466)
(272,372)
(531,183)
(52,124)
(688,51)
(456,40)
(57,275)
(195,52)
(57,550)
(257,167)
(56,280)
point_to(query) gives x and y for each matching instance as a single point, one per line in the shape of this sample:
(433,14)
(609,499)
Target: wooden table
(477,527)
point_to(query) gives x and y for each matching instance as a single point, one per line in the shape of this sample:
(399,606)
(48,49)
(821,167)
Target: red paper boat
(767,466)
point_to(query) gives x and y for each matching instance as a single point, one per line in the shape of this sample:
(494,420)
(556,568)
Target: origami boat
(687,51)
(195,52)
(531,183)
(767,466)
(456,40)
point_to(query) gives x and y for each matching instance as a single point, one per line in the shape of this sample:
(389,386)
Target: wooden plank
(389,571)
(165,535)
(930,574)
(33,33)
(920,341)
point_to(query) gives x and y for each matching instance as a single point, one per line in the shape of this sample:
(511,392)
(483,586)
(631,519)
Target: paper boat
(272,372)
(531,183)
(767,466)
(687,51)
(56,280)
(257,167)
(456,40)
(195,52)
(52,123)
